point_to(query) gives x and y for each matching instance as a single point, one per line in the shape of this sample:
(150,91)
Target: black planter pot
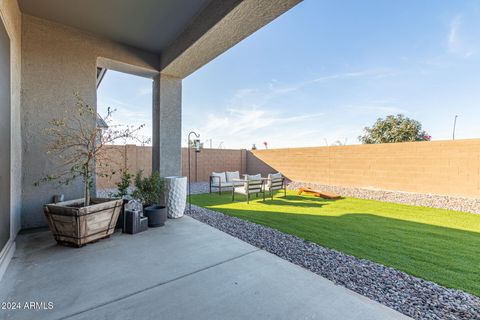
(121,219)
(157,215)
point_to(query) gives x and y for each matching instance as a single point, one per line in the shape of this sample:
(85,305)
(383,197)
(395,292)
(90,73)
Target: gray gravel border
(417,298)
(471,205)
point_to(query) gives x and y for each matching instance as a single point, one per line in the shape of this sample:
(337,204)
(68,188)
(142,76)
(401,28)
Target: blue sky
(326,69)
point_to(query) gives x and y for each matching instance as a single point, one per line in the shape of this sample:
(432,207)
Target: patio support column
(167,125)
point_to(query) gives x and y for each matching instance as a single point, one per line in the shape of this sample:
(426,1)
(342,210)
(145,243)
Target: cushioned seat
(252,184)
(224,180)
(275,182)
(224,185)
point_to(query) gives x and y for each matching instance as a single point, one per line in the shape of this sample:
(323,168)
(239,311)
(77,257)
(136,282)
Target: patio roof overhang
(186,34)
(57,47)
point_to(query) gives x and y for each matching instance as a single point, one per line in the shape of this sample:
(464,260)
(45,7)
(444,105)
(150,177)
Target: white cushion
(243,190)
(254,177)
(272,176)
(232,175)
(223,177)
(238,183)
(226,184)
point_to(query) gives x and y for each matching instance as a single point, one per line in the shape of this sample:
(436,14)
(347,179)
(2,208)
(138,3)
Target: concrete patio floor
(185,270)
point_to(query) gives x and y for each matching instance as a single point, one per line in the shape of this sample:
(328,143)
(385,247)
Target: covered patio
(185,270)
(52,48)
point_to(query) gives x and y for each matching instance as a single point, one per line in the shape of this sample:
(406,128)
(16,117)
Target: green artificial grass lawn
(439,245)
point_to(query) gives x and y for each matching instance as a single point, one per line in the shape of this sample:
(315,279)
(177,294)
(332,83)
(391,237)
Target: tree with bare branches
(78,144)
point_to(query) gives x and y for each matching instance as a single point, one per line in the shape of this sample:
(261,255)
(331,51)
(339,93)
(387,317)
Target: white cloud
(126,114)
(239,128)
(453,32)
(259,97)
(459,39)
(268,113)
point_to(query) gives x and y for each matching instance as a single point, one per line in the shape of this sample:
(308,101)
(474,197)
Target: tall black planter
(157,215)
(121,217)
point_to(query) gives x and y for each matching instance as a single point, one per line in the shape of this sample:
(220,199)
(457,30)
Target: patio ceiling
(186,34)
(146,24)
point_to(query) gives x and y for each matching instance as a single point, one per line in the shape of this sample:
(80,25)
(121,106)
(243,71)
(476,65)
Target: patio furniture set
(249,185)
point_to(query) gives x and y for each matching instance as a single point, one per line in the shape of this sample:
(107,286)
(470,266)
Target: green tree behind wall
(394,128)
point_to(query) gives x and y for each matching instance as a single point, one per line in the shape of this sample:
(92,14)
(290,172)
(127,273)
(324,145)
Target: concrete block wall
(128,158)
(209,160)
(134,158)
(436,167)
(256,166)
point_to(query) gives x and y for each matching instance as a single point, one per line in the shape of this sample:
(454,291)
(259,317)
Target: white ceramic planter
(176,196)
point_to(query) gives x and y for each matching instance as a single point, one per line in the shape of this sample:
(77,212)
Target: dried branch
(76,142)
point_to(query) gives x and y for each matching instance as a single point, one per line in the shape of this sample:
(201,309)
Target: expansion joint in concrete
(158,285)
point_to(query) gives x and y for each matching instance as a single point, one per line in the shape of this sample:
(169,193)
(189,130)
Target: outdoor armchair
(275,182)
(251,185)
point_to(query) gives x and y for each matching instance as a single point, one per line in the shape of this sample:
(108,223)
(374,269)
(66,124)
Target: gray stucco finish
(167,125)
(59,59)
(219,27)
(146,24)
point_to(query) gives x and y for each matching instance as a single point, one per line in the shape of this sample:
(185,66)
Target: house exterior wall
(57,60)
(437,167)
(11,18)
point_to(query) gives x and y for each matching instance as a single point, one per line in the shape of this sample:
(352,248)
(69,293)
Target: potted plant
(149,191)
(77,143)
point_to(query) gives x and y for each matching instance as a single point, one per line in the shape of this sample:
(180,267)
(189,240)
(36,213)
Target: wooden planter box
(73,224)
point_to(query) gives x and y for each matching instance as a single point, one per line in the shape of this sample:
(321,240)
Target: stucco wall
(11,17)
(56,60)
(167,125)
(437,167)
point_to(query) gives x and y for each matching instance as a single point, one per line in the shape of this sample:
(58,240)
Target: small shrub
(148,190)
(123,185)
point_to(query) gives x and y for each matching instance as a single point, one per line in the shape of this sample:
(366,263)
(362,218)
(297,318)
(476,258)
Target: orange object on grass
(316,193)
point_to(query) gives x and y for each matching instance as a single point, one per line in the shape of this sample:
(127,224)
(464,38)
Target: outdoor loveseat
(251,184)
(224,180)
